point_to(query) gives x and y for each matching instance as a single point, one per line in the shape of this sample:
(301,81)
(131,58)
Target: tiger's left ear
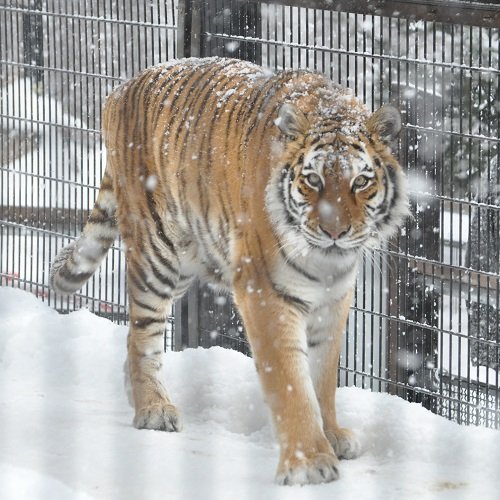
(386,122)
(291,120)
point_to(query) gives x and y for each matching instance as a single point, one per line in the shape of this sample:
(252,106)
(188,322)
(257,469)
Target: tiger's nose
(335,234)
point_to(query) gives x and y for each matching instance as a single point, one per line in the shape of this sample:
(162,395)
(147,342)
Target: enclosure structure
(424,323)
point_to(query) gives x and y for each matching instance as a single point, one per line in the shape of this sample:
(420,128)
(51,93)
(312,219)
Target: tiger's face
(342,193)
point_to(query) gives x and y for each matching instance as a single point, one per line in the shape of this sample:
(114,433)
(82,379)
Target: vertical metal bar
(192,317)
(267,31)
(468,382)
(196,29)
(497,156)
(3,142)
(26,94)
(33,41)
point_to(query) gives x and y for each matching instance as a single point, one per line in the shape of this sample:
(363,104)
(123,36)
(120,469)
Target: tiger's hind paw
(160,417)
(322,468)
(344,442)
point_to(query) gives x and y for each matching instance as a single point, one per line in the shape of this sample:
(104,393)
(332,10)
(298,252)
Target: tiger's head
(340,189)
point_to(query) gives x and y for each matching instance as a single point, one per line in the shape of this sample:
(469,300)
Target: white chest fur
(316,278)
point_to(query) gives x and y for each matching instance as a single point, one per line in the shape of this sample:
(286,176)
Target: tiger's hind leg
(152,280)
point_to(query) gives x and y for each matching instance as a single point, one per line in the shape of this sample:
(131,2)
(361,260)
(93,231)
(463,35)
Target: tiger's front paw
(158,416)
(320,468)
(344,442)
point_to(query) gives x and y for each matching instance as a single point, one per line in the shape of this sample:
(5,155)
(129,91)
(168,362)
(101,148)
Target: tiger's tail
(78,261)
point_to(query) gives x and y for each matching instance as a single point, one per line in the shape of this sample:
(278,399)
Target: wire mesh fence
(424,323)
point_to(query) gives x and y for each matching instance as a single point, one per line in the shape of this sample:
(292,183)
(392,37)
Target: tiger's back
(183,148)
(269,184)
(199,127)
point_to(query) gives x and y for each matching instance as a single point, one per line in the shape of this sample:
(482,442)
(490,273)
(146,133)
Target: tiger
(270,185)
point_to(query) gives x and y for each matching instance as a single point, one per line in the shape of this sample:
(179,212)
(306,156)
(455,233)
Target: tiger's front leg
(276,331)
(325,332)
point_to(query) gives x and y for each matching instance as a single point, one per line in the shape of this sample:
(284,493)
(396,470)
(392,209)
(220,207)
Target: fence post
(183,28)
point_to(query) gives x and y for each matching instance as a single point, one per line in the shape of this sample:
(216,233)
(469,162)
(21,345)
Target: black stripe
(283,193)
(315,140)
(171,203)
(164,261)
(145,322)
(209,250)
(216,243)
(161,293)
(160,230)
(186,77)
(268,92)
(299,350)
(156,353)
(72,277)
(63,289)
(312,344)
(202,181)
(195,93)
(130,104)
(137,275)
(302,305)
(101,217)
(239,107)
(175,113)
(170,81)
(157,334)
(209,89)
(223,224)
(182,190)
(143,305)
(395,194)
(135,281)
(382,208)
(164,280)
(147,96)
(265,94)
(296,268)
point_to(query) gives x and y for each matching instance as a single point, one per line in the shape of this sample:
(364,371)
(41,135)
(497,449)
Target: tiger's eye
(360,182)
(314,180)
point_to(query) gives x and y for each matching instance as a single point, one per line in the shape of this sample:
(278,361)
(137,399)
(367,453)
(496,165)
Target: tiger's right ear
(291,120)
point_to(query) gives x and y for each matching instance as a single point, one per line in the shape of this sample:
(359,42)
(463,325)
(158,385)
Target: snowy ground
(65,428)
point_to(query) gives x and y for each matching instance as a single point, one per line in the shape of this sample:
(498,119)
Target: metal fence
(424,323)
(58,61)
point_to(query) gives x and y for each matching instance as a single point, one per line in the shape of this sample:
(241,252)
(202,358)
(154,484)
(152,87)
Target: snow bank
(65,426)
